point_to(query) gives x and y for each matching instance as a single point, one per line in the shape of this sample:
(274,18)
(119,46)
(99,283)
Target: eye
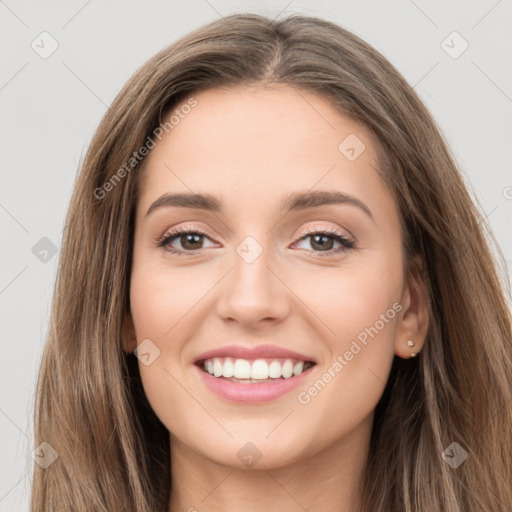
(324,240)
(189,238)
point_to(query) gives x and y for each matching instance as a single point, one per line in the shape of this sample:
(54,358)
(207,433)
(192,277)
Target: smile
(248,371)
(246,381)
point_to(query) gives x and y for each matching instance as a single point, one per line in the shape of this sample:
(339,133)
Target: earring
(411,344)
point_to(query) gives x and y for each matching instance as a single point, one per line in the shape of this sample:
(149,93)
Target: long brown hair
(113,452)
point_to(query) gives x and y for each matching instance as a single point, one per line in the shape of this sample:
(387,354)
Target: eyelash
(169,236)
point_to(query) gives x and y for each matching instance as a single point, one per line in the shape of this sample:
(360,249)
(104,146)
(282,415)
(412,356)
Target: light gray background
(50,108)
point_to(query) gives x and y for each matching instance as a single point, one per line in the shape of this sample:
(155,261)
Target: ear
(129,338)
(413,323)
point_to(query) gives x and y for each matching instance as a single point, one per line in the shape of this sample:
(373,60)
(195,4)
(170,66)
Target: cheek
(160,298)
(352,300)
(163,305)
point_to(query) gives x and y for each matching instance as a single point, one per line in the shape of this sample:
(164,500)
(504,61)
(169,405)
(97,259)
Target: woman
(274,293)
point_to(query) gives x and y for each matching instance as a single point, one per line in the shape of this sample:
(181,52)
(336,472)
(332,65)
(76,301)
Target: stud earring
(414,355)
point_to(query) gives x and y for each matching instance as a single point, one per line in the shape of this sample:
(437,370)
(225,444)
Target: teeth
(298,368)
(287,369)
(217,367)
(274,370)
(229,368)
(242,369)
(256,370)
(259,369)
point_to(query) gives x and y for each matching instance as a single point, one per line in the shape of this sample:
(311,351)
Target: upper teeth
(259,369)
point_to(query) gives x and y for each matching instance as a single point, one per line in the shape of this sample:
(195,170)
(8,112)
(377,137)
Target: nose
(254,292)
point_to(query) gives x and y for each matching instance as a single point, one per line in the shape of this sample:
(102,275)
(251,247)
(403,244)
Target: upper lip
(257,352)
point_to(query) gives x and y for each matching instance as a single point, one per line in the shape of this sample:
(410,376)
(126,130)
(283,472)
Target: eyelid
(330,229)
(186,228)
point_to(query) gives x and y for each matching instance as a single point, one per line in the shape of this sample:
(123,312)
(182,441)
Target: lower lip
(251,393)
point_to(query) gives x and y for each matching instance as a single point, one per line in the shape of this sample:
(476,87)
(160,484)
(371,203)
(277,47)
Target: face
(317,286)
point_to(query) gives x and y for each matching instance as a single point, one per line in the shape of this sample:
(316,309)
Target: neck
(326,481)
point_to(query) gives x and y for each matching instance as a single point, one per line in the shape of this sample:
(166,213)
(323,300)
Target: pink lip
(259,352)
(251,393)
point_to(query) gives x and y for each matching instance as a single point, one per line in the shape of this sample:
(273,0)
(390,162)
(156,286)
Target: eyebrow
(297,201)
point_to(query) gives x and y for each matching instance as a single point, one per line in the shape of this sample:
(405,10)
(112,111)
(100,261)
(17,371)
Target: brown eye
(322,242)
(188,241)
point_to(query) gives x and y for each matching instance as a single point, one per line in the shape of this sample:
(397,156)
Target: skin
(253,147)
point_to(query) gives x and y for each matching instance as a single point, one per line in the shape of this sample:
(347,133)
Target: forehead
(258,145)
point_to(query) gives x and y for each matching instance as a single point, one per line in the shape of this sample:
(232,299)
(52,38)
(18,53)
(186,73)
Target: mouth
(253,381)
(252,374)
(254,371)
